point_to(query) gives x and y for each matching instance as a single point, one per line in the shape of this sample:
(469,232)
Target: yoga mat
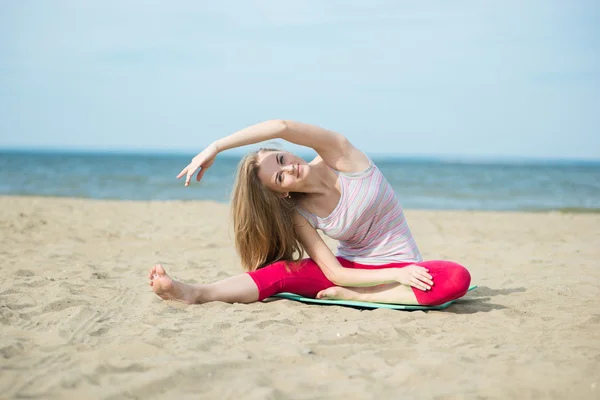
(364,304)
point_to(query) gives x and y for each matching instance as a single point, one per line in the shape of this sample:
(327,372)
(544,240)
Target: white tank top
(368,221)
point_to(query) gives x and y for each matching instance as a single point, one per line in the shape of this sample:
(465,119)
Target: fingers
(414,282)
(424,271)
(423,274)
(197,165)
(200,174)
(422,279)
(190,173)
(183,171)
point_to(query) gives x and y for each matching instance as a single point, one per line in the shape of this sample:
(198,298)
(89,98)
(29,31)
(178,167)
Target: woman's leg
(237,289)
(450,281)
(392,293)
(305,278)
(453,282)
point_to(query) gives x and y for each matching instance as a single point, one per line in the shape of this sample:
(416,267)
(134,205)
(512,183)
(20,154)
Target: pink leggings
(450,280)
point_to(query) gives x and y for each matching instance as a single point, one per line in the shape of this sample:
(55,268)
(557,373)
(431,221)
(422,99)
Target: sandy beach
(79,321)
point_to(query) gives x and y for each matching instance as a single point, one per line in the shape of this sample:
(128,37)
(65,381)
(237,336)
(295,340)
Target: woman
(280,201)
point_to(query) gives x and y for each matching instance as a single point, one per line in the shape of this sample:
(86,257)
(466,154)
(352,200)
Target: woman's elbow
(335,277)
(280,125)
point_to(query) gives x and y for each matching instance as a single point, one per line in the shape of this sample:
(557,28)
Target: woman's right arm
(334,148)
(318,251)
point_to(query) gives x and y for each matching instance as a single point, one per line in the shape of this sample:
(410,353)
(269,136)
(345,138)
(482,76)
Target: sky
(473,79)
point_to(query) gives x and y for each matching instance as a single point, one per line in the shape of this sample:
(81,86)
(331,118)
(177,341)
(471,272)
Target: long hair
(263,222)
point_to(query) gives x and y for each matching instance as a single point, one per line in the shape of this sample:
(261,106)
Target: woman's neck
(320,180)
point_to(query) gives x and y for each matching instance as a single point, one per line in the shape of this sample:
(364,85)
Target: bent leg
(392,293)
(450,282)
(304,278)
(307,279)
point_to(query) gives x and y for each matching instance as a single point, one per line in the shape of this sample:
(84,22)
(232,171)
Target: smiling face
(281,171)
(262,223)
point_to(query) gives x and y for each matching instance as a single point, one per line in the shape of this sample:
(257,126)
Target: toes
(156,271)
(326,294)
(337,293)
(159,270)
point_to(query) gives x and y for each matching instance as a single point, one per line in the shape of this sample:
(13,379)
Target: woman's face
(282,171)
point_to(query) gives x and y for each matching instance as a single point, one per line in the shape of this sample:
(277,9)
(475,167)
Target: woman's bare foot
(168,289)
(392,293)
(338,293)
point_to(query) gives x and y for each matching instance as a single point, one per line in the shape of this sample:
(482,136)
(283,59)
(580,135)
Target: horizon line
(458,158)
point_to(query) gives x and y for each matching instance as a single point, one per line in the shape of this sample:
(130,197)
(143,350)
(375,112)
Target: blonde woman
(279,201)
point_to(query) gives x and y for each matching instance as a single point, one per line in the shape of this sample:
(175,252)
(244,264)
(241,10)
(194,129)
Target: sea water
(419,183)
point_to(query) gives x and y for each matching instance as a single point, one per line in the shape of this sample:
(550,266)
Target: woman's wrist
(216,146)
(388,275)
(396,274)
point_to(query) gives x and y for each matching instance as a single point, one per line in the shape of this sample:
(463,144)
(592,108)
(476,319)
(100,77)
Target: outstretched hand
(201,162)
(415,276)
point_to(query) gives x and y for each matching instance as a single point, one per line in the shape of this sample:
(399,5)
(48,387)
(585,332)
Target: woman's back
(368,221)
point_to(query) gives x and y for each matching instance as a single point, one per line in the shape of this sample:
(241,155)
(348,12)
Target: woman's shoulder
(350,161)
(303,214)
(354,165)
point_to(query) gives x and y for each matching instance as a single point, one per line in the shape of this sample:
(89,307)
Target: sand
(78,319)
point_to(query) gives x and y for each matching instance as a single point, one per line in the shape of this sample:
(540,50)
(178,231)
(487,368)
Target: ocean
(419,183)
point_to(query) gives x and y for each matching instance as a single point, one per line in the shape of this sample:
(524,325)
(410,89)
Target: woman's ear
(285,195)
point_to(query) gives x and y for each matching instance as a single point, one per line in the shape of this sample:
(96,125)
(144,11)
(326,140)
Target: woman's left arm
(414,275)
(335,149)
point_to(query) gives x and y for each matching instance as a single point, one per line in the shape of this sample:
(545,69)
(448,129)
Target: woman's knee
(457,277)
(451,281)
(461,278)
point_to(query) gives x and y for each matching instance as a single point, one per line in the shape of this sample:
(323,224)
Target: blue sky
(463,78)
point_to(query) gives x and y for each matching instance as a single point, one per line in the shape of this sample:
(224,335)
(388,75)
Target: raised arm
(334,148)
(316,248)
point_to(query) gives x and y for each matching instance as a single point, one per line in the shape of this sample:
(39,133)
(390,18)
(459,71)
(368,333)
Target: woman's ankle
(202,293)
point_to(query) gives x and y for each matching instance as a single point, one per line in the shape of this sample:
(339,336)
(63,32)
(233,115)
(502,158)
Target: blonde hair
(263,221)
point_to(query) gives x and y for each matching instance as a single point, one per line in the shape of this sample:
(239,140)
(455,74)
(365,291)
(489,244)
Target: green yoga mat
(363,304)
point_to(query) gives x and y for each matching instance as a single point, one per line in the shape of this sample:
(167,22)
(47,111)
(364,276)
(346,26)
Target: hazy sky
(461,78)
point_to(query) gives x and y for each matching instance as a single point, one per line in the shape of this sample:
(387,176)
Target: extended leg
(237,289)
